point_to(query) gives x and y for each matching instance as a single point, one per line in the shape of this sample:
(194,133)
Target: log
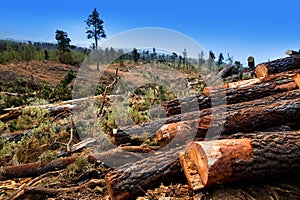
(297,79)
(126,134)
(37,168)
(226,71)
(233,93)
(120,156)
(277,66)
(132,180)
(264,156)
(54,109)
(292,53)
(18,135)
(245,119)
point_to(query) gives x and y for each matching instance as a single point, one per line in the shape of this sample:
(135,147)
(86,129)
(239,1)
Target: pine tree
(63,41)
(95,31)
(220,60)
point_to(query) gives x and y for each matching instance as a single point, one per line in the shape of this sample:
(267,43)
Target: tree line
(64,52)
(15,51)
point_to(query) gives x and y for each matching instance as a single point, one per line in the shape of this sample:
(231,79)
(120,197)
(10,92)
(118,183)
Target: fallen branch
(20,192)
(78,146)
(10,94)
(52,191)
(37,168)
(105,93)
(54,109)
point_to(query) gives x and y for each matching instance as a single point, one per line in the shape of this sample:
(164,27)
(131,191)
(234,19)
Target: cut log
(125,134)
(131,180)
(233,93)
(264,156)
(297,79)
(246,120)
(292,53)
(277,66)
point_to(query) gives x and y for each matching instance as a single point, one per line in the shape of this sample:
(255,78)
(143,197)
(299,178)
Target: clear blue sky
(262,28)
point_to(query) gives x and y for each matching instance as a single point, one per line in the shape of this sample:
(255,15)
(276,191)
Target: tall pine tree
(95,31)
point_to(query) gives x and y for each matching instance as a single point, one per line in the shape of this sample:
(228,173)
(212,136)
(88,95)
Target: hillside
(48,71)
(44,155)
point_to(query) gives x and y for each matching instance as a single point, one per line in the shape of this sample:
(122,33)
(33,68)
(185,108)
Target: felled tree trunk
(53,108)
(133,179)
(277,66)
(226,71)
(125,135)
(245,120)
(120,156)
(233,93)
(37,168)
(264,156)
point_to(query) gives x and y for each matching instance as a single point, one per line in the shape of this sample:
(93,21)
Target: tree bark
(120,156)
(245,119)
(129,134)
(233,93)
(37,168)
(263,156)
(277,66)
(131,180)
(226,71)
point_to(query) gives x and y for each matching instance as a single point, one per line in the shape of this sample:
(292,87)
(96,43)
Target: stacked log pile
(247,152)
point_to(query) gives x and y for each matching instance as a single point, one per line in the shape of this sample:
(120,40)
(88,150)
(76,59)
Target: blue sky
(264,29)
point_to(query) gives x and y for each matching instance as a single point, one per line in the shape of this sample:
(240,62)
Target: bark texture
(277,66)
(233,93)
(131,180)
(37,168)
(263,156)
(246,120)
(125,134)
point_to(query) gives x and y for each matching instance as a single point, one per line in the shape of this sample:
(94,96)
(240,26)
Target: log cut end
(297,79)
(210,89)
(261,70)
(214,160)
(191,172)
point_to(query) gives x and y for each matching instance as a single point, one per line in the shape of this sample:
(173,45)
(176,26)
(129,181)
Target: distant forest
(15,51)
